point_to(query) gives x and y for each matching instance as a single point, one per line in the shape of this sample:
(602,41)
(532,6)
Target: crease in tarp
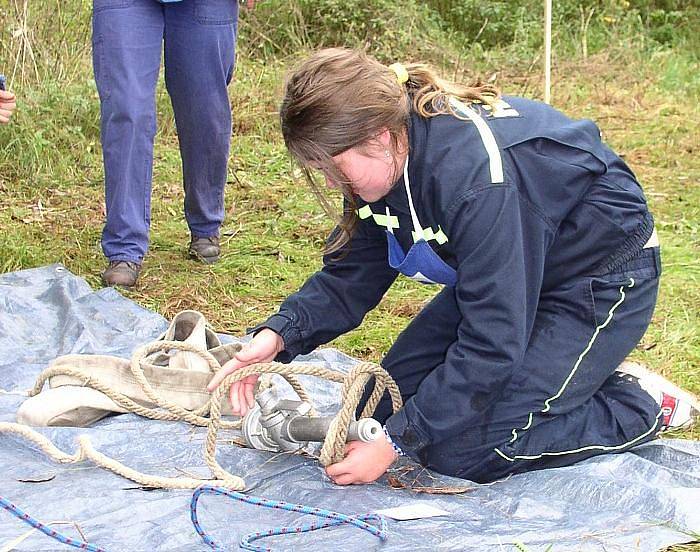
(645,499)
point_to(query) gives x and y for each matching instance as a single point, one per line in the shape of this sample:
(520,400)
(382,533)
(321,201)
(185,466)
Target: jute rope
(333,449)
(87,452)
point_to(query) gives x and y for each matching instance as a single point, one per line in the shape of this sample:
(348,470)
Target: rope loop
(333,450)
(209,415)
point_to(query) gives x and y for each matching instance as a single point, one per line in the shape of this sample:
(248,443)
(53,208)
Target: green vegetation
(631,66)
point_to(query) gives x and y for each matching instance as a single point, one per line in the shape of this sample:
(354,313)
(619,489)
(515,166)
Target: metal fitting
(283,425)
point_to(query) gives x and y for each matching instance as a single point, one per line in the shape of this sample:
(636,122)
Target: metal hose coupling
(283,425)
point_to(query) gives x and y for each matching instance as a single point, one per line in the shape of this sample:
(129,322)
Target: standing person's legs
(127,39)
(200,41)
(564,403)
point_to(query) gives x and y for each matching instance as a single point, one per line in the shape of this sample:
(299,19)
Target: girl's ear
(385,141)
(384,138)
(377,144)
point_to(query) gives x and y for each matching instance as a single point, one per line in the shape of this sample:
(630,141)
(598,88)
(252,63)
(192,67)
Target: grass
(274,229)
(51,187)
(644,98)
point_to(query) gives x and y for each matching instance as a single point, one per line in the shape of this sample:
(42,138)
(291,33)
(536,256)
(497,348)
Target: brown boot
(121,273)
(206,250)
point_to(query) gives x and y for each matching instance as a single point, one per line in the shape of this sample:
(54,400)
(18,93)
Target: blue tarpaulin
(642,500)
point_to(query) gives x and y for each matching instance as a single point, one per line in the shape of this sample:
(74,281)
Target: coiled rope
(332,451)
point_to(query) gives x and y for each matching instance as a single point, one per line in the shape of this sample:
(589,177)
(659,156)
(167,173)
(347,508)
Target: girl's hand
(264,347)
(363,462)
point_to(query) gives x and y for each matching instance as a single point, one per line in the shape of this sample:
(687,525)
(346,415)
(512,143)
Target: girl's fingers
(243,403)
(220,375)
(249,391)
(229,368)
(344,479)
(338,469)
(235,403)
(242,392)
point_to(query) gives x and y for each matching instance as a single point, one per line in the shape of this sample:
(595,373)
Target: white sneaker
(679,409)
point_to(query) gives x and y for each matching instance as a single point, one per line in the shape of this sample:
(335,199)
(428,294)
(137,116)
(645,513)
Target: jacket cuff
(290,334)
(406,434)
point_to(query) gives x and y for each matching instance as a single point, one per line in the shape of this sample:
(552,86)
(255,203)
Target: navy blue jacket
(562,207)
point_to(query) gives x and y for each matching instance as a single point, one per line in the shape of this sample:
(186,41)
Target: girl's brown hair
(338,99)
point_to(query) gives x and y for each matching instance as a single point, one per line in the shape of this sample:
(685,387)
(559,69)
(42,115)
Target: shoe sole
(125,286)
(205,260)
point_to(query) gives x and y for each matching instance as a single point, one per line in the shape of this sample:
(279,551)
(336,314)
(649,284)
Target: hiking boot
(679,409)
(206,250)
(121,273)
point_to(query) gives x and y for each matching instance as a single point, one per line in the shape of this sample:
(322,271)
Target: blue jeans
(565,402)
(198,38)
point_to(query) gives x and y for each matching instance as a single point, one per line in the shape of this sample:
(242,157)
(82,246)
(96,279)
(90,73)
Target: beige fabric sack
(179,377)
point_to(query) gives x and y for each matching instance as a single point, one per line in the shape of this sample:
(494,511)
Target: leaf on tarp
(38,479)
(396,483)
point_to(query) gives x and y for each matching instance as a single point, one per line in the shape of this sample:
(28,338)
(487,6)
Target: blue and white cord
(335,518)
(18,512)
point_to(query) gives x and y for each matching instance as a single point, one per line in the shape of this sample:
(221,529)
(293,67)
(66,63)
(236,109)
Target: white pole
(547,49)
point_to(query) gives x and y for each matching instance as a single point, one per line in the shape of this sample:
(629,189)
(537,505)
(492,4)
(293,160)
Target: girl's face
(370,168)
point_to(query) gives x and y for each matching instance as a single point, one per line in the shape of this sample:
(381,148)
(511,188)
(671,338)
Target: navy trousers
(198,39)
(565,402)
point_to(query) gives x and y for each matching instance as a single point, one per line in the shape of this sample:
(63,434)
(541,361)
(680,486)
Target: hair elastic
(401,72)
